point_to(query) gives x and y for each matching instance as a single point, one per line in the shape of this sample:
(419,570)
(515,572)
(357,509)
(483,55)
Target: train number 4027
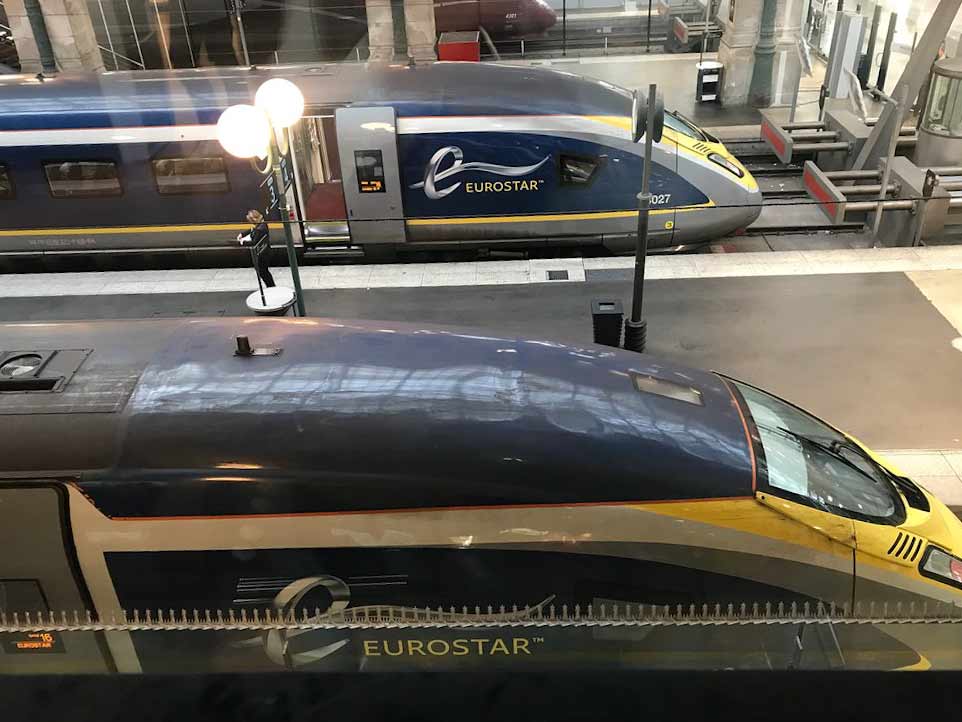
(660,199)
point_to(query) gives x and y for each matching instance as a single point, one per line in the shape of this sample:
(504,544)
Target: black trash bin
(709,81)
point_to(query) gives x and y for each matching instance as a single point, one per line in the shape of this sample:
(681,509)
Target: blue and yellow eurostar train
(386,158)
(418,495)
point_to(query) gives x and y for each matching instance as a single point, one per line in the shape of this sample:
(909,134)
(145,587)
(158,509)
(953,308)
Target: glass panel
(680,126)
(577,171)
(370,171)
(6,184)
(82,179)
(800,460)
(190,175)
(943,111)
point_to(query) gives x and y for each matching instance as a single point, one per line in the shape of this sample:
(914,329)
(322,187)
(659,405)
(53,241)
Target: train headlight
(281,100)
(244,131)
(942,566)
(726,164)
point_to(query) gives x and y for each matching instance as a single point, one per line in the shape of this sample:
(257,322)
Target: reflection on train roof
(434,89)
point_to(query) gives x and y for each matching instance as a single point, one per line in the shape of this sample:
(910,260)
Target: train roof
(373,415)
(117,99)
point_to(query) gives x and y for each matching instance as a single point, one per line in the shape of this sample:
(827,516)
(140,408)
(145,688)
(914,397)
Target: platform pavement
(676,76)
(937,470)
(491,273)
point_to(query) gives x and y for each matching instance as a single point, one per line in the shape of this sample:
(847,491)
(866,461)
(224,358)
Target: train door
(320,192)
(367,144)
(40,575)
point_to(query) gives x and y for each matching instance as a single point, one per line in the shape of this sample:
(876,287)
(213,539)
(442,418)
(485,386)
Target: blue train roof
(198,96)
(366,415)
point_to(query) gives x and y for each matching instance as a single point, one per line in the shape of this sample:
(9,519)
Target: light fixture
(244,131)
(281,100)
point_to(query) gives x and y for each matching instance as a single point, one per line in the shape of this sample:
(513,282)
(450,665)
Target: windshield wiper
(913,494)
(827,448)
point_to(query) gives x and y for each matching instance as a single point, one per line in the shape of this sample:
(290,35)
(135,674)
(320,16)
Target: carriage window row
(100,179)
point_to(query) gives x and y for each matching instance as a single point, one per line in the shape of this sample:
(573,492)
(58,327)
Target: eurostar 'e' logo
(433,173)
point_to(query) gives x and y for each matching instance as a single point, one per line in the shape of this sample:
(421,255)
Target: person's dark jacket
(260,233)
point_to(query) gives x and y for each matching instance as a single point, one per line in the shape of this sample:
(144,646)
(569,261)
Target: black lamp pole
(636,328)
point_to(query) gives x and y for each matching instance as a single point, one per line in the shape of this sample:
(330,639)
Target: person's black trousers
(264,269)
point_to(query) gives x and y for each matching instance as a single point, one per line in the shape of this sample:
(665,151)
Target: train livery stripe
(130,229)
(598,124)
(640,505)
(112,136)
(600,215)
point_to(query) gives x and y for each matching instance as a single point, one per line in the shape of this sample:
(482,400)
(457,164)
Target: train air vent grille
(905,547)
(701,147)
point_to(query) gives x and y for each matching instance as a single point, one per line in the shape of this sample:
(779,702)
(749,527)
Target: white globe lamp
(244,131)
(281,100)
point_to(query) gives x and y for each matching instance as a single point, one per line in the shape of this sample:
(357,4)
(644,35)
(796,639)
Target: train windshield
(682,126)
(805,458)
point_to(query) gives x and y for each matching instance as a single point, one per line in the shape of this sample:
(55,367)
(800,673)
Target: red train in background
(501,18)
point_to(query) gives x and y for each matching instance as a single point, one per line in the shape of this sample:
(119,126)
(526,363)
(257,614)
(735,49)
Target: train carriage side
(103,165)
(592,481)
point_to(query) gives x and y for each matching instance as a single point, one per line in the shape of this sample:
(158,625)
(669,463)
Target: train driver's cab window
(82,179)
(6,184)
(370,171)
(577,170)
(680,125)
(810,460)
(176,176)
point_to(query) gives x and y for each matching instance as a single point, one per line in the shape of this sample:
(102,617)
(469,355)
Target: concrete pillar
(23,38)
(71,33)
(380,30)
(736,51)
(421,33)
(787,66)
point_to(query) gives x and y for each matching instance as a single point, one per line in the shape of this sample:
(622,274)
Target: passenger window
(577,171)
(6,184)
(82,179)
(176,176)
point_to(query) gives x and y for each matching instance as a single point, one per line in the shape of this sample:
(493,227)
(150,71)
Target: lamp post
(260,131)
(636,328)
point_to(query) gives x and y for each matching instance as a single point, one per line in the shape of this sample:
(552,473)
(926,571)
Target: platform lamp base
(636,335)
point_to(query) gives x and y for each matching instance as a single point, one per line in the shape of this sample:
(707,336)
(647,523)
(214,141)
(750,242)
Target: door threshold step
(333,252)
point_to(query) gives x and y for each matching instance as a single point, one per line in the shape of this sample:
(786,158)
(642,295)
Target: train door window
(83,179)
(370,171)
(176,176)
(577,170)
(6,184)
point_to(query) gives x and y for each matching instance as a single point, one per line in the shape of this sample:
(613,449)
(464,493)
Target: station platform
(676,76)
(869,339)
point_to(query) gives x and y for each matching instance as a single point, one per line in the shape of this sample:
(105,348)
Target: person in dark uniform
(259,235)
